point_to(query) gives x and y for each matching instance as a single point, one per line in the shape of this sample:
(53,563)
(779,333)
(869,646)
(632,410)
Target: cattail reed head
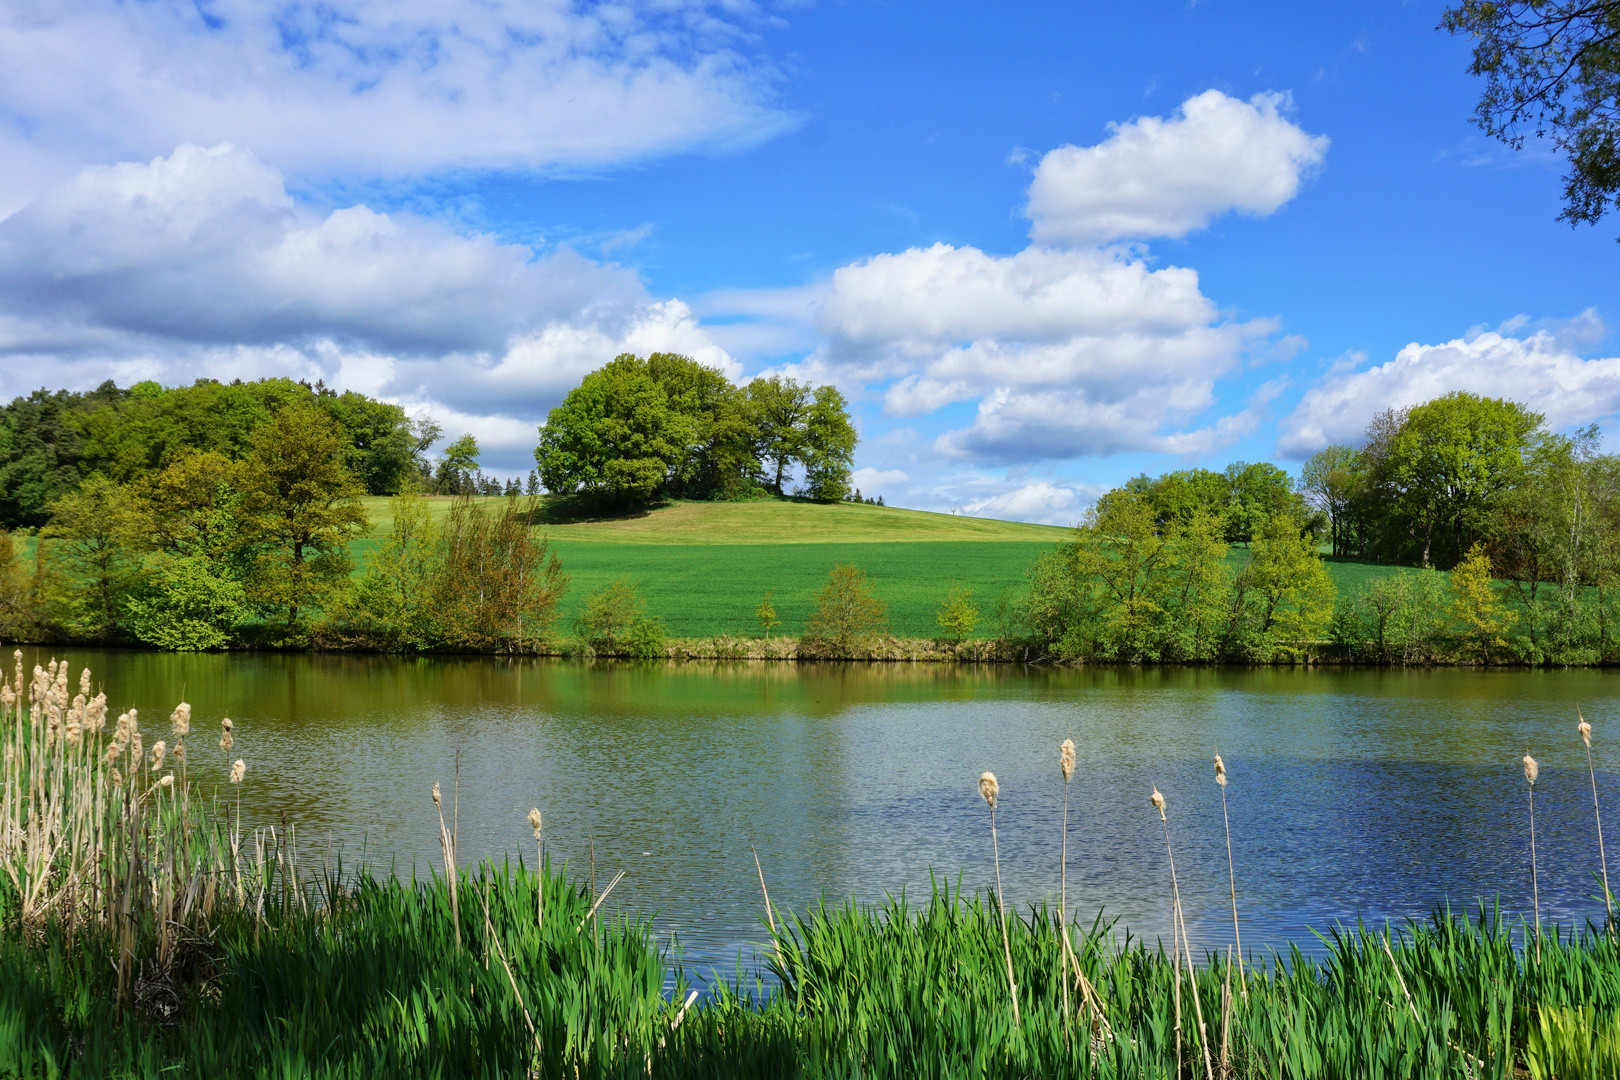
(117,778)
(437,800)
(135,750)
(1531,769)
(95,713)
(226,742)
(181,719)
(167,781)
(1586,731)
(1158,803)
(534,821)
(226,724)
(1220,771)
(238,770)
(180,753)
(159,750)
(1066,759)
(989,788)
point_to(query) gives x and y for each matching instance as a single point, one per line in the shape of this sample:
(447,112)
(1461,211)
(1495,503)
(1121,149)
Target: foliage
(300,507)
(17,615)
(765,615)
(1475,606)
(615,623)
(1241,498)
(958,614)
(1295,594)
(457,464)
(395,603)
(1328,482)
(667,426)
(847,612)
(50,442)
(185,604)
(1399,618)
(828,446)
(101,528)
(499,587)
(1552,69)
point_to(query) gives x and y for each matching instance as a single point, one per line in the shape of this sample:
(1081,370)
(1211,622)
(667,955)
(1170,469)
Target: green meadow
(703,566)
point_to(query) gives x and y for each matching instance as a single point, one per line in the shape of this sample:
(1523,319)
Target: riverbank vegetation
(1461,531)
(147,929)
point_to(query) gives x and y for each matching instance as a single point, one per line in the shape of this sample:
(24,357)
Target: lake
(1355,794)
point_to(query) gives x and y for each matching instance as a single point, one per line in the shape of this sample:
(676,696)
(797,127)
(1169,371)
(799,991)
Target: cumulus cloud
(1166,177)
(1040,501)
(201,264)
(1068,352)
(1540,369)
(373,86)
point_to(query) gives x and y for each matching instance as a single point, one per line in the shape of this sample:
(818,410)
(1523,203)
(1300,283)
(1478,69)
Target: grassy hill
(703,567)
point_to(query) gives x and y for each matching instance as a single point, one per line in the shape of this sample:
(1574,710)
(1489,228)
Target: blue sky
(1041,247)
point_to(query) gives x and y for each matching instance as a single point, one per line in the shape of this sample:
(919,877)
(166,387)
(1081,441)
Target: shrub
(848,613)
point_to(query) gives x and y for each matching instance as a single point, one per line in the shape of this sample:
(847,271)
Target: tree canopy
(50,441)
(667,426)
(1552,70)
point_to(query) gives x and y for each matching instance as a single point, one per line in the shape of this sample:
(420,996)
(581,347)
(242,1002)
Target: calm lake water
(1355,794)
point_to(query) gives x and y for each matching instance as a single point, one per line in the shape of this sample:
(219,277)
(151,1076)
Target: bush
(186,606)
(615,623)
(848,613)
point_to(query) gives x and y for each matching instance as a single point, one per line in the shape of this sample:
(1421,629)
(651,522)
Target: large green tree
(101,529)
(1328,482)
(1447,467)
(1552,70)
(781,406)
(301,507)
(828,450)
(614,438)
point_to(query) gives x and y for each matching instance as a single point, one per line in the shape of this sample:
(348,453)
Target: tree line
(667,426)
(1501,538)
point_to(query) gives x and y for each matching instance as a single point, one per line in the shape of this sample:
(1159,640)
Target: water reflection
(1359,794)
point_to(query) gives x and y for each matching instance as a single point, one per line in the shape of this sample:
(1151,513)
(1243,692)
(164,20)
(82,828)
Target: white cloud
(1038,501)
(374,87)
(201,264)
(1068,352)
(870,481)
(1540,370)
(1156,177)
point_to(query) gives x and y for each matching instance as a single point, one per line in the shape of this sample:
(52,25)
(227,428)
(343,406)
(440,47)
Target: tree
(16,612)
(499,588)
(847,613)
(1296,594)
(765,615)
(615,622)
(1257,493)
(718,458)
(780,407)
(1328,482)
(614,438)
(1552,69)
(103,529)
(396,601)
(958,614)
(301,506)
(457,465)
(1448,465)
(185,605)
(1475,605)
(828,447)
(1120,551)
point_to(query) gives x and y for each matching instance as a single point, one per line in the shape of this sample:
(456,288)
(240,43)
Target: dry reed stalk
(769,915)
(1066,767)
(539,871)
(1585,731)
(990,790)
(1231,875)
(451,875)
(1531,771)
(591,913)
(1180,925)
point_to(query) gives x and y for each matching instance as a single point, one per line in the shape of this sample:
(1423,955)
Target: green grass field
(703,567)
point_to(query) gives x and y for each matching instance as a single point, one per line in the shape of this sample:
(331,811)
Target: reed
(990,791)
(1066,767)
(1585,731)
(539,861)
(1531,771)
(1231,874)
